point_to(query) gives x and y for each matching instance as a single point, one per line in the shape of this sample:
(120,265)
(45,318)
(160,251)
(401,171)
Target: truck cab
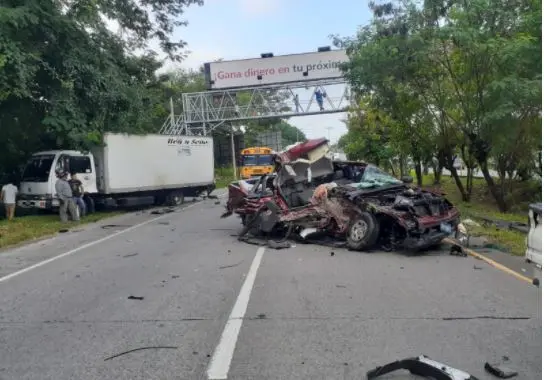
(37,188)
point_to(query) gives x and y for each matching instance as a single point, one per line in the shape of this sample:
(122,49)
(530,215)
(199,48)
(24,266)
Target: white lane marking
(87,245)
(219,366)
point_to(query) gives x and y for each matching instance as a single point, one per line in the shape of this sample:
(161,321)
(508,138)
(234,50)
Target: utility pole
(329,133)
(172,116)
(233,148)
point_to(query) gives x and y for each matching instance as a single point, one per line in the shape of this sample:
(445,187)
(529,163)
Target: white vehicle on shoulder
(128,170)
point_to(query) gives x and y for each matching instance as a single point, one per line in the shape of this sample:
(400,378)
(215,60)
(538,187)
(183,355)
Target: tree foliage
(65,77)
(455,78)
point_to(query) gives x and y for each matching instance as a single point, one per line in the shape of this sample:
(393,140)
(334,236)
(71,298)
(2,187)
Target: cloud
(259,7)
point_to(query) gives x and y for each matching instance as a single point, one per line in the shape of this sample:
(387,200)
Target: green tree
(457,78)
(65,78)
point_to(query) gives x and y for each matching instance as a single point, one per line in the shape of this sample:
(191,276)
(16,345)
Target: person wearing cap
(65,196)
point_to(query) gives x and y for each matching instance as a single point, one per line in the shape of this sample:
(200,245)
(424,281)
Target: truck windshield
(38,168)
(257,160)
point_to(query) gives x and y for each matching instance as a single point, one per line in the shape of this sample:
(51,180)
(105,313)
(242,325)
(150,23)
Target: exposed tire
(363,232)
(251,224)
(175,198)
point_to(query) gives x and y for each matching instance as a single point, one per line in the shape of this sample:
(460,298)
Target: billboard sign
(274,70)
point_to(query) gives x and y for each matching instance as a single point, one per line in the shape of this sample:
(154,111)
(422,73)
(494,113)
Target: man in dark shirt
(77,193)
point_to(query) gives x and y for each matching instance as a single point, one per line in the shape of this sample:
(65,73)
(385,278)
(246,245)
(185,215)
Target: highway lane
(309,315)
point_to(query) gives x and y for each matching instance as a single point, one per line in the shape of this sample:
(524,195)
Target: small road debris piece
(457,250)
(500,370)
(421,366)
(231,266)
(131,255)
(135,298)
(278,244)
(140,349)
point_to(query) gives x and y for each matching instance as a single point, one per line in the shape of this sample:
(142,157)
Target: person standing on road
(77,192)
(64,193)
(8,197)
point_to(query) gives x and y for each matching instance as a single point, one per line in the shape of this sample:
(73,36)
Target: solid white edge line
(219,366)
(87,245)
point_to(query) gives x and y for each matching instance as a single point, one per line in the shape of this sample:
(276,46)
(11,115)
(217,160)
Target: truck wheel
(363,232)
(89,203)
(175,198)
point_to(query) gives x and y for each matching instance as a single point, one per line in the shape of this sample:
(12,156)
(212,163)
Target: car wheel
(175,198)
(89,205)
(363,232)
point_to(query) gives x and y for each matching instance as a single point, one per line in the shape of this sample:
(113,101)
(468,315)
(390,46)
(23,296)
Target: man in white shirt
(9,195)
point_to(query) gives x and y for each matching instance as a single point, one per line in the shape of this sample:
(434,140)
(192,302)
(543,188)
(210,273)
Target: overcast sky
(239,29)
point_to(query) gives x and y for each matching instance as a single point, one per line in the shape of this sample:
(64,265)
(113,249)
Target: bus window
(265,160)
(249,160)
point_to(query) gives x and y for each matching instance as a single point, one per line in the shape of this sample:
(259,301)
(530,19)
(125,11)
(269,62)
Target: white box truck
(127,170)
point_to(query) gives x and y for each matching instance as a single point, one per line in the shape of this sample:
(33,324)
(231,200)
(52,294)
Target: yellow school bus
(256,161)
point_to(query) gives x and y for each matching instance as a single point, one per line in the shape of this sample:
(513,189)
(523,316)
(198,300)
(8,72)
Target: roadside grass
(26,228)
(223,177)
(482,205)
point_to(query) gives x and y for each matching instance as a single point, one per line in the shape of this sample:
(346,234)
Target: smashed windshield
(38,168)
(374,177)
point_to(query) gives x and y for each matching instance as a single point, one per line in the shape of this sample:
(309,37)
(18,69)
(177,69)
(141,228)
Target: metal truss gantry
(205,111)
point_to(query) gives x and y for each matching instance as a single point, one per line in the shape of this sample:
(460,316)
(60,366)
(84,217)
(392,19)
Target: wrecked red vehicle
(311,197)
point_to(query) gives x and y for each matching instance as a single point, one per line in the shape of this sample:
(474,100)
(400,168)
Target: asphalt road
(220,306)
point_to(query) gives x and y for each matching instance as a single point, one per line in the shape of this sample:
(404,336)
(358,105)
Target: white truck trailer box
(127,170)
(131,163)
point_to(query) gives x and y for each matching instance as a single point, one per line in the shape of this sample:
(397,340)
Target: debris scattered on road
(341,286)
(135,298)
(457,250)
(278,244)
(213,196)
(477,268)
(63,230)
(175,276)
(231,266)
(140,349)
(163,211)
(217,202)
(499,370)
(108,226)
(164,223)
(131,255)
(422,366)
(332,253)
(261,316)
(536,281)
